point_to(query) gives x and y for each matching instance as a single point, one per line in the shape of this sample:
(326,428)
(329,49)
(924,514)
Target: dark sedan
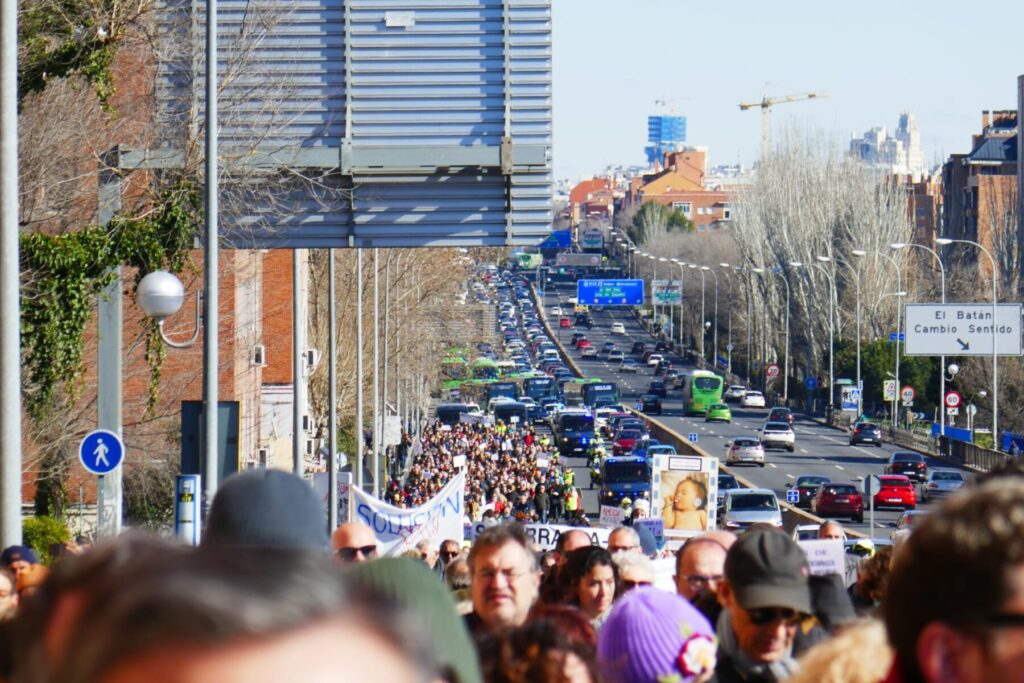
(650,403)
(807,486)
(908,463)
(657,387)
(866,432)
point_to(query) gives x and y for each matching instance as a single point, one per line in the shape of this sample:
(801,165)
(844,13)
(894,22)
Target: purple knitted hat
(652,635)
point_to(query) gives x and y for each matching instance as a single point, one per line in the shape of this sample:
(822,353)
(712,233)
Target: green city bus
(454,371)
(701,388)
(485,368)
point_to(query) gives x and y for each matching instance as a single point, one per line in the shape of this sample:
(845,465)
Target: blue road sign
(610,292)
(101,451)
(558,239)
(811,383)
(692,436)
(892,336)
(792,496)
(639,406)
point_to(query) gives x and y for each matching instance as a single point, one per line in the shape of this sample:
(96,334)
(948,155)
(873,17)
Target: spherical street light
(160,294)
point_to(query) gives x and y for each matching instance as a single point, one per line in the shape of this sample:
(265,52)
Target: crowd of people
(269,595)
(512,473)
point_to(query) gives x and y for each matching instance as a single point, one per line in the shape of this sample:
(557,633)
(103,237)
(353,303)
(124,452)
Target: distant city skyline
(613,60)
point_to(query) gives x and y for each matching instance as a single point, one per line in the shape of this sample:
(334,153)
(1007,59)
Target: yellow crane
(766,105)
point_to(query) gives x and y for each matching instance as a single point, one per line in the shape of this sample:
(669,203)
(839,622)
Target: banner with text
(398,529)
(667,292)
(545,536)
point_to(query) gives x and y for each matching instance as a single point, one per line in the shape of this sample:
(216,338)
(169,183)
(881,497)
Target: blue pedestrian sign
(811,383)
(692,436)
(101,451)
(792,496)
(893,336)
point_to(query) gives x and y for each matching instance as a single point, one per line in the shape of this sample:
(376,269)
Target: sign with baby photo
(684,491)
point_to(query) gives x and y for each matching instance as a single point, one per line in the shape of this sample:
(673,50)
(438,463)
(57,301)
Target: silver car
(745,449)
(778,435)
(745,507)
(941,482)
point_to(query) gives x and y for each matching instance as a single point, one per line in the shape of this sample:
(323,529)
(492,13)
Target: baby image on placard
(684,500)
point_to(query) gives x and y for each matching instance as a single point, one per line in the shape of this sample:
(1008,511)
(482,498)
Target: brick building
(681,185)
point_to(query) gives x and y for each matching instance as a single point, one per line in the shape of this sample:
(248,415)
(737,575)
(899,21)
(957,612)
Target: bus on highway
(485,368)
(701,389)
(540,387)
(454,370)
(599,393)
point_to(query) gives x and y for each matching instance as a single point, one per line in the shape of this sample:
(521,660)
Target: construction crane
(766,105)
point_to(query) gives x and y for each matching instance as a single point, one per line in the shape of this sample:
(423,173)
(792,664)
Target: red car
(564,322)
(583,343)
(838,500)
(626,440)
(896,491)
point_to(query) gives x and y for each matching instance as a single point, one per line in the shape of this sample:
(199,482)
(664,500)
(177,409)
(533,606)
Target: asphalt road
(820,449)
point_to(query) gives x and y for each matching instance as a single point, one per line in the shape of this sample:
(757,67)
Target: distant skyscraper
(665,134)
(900,153)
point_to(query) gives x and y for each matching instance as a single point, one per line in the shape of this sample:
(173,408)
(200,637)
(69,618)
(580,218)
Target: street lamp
(833,295)
(160,295)
(714,359)
(728,324)
(942,358)
(899,293)
(856,281)
(703,327)
(971,409)
(995,356)
(785,355)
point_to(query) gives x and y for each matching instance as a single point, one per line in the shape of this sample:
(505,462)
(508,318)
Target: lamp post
(856,280)
(942,358)
(995,321)
(833,295)
(728,318)
(785,355)
(899,293)
(703,329)
(714,359)
(667,306)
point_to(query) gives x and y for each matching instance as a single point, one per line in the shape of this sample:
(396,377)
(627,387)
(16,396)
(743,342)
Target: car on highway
(778,435)
(618,328)
(895,490)
(906,522)
(743,508)
(576,336)
(565,321)
(629,365)
(663,367)
(626,439)
(654,449)
(806,486)
(661,345)
(653,359)
(806,532)
(734,392)
(616,355)
(608,346)
(908,463)
(638,347)
(838,500)
(726,482)
(752,399)
(866,432)
(718,412)
(941,482)
(781,414)
(650,403)
(657,387)
(746,450)
(583,343)
(588,352)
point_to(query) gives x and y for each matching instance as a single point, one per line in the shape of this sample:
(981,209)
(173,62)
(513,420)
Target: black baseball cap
(766,568)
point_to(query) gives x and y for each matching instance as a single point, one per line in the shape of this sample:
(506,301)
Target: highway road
(819,450)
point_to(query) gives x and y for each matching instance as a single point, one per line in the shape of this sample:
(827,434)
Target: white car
(588,352)
(752,399)
(745,449)
(556,310)
(615,355)
(654,359)
(618,328)
(735,392)
(778,435)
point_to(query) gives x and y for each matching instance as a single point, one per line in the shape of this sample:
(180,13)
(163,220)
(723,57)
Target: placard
(683,494)
(612,515)
(825,556)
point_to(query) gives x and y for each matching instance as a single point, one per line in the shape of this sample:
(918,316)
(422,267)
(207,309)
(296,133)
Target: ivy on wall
(64,273)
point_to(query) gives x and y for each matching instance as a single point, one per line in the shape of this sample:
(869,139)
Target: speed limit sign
(907,394)
(953,399)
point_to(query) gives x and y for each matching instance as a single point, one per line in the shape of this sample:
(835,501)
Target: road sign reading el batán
(962,330)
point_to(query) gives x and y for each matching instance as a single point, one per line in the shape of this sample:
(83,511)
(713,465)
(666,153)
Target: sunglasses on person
(449,554)
(630,585)
(349,554)
(699,581)
(762,616)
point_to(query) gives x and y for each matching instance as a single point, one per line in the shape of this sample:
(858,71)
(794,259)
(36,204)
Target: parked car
(745,449)
(718,412)
(807,486)
(778,435)
(941,482)
(896,490)
(618,328)
(742,508)
(866,432)
(908,463)
(781,414)
(752,399)
(615,355)
(838,500)
(650,403)
(735,392)
(629,365)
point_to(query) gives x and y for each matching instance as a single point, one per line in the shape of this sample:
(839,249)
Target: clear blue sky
(943,60)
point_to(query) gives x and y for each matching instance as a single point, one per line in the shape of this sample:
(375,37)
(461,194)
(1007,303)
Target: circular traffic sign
(953,399)
(811,383)
(870,485)
(101,451)
(772,371)
(907,393)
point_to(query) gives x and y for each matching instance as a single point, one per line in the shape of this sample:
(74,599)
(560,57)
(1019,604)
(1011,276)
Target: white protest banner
(398,529)
(543,463)
(545,536)
(656,527)
(458,461)
(612,515)
(321,487)
(825,556)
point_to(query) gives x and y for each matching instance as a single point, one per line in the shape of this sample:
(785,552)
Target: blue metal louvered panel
(418,80)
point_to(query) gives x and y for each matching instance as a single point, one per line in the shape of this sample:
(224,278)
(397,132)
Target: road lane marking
(791,476)
(840,467)
(803,450)
(771,464)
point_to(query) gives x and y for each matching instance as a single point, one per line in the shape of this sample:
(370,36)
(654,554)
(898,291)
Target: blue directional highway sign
(101,451)
(610,292)
(792,496)
(692,436)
